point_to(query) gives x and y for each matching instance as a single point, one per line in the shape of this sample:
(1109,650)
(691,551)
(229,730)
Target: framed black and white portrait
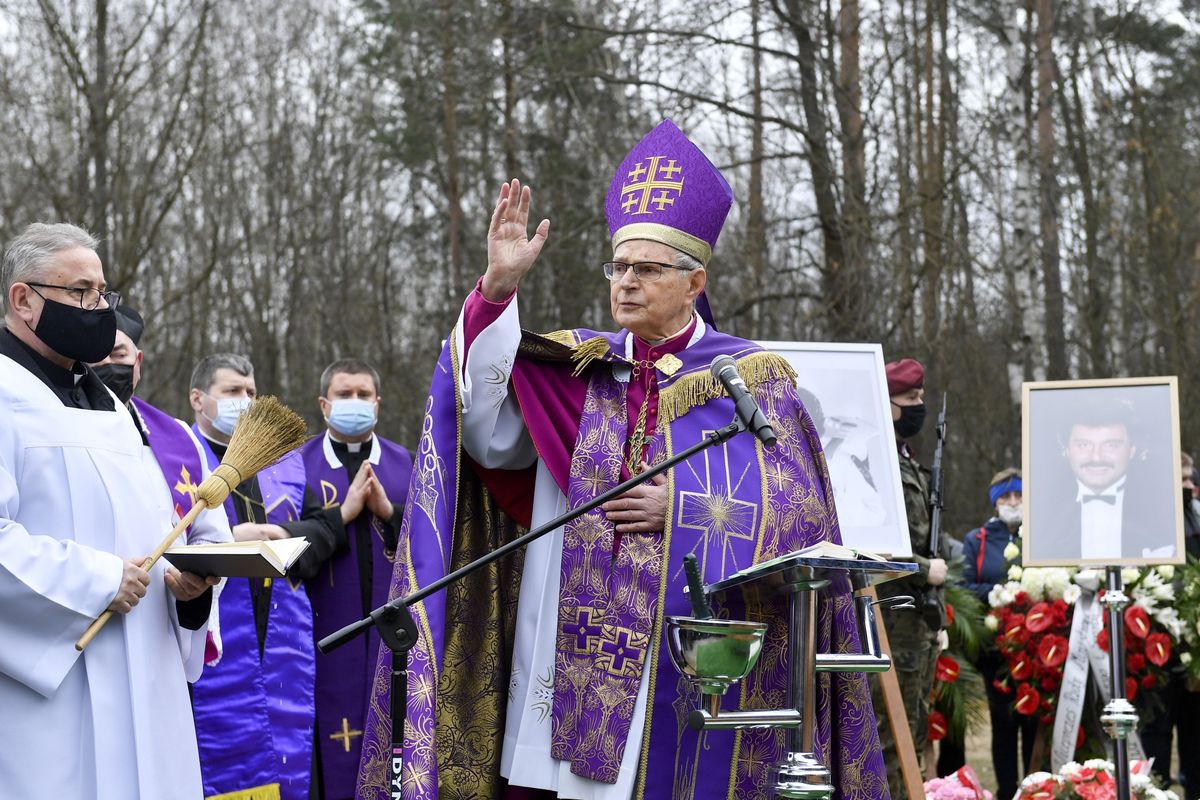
(1102,476)
(844,388)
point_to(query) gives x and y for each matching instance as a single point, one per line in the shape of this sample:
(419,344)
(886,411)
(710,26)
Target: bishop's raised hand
(510,250)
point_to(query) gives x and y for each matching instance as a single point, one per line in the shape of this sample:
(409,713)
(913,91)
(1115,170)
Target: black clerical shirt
(352,458)
(79,387)
(322,527)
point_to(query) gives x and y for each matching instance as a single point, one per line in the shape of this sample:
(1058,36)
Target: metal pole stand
(1120,718)
(694,645)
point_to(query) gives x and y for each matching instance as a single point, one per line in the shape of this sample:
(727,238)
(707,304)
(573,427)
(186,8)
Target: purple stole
(254,717)
(733,506)
(344,675)
(176,454)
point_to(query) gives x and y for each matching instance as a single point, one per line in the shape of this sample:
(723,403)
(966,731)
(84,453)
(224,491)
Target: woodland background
(1005,189)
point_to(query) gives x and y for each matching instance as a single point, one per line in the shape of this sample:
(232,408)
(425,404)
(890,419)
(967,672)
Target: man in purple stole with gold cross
(576,676)
(365,476)
(254,708)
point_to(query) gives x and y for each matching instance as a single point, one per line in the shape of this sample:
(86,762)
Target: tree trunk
(98,131)
(837,278)
(756,224)
(1056,350)
(454,211)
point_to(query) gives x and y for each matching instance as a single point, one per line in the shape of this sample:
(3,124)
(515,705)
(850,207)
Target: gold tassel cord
(696,389)
(265,433)
(584,353)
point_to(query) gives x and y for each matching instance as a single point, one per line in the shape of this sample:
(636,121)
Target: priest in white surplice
(80,507)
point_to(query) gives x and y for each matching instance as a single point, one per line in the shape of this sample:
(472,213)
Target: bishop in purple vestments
(589,705)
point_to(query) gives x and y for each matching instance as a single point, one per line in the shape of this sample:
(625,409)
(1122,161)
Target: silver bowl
(715,653)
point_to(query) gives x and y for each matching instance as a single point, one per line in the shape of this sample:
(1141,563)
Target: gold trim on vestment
(269,791)
(664,234)
(656,635)
(697,388)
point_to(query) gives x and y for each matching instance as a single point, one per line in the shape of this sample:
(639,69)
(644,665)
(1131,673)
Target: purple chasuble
(254,716)
(344,675)
(176,454)
(733,506)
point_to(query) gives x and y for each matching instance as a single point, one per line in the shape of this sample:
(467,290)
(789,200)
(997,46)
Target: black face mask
(912,418)
(75,333)
(118,377)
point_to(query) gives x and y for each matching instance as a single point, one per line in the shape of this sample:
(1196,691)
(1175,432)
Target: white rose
(1129,575)
(1167,571)
(1185,658)
(1164,592)
(992,623)
(1071,594)
(1011,551)
(1014,572)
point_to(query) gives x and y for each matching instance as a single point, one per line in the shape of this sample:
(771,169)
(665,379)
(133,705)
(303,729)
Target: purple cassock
(337,596)
(579,393)
(254,712)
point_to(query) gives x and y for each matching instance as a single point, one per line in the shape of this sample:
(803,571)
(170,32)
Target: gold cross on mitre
(345,734)
(185,486)
(646,178)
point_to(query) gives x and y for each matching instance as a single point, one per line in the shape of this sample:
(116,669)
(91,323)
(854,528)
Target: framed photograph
(844,388)
(1102,473)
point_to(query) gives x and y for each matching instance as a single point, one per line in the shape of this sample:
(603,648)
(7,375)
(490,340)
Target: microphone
(724,369)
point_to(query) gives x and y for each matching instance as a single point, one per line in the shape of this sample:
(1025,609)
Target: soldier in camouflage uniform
(912,633)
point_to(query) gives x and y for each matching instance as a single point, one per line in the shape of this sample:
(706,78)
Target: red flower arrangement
(1032,637)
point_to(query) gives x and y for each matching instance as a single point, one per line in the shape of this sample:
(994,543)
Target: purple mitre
(667,190)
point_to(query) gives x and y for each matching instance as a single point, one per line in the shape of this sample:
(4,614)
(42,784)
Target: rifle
(937,499)
(937,485)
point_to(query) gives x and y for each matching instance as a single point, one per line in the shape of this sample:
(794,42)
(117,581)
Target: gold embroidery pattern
(659,174)
(472,690)
(689,390)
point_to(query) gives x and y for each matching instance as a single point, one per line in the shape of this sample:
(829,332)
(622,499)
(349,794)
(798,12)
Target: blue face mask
(228,411)
(351,417)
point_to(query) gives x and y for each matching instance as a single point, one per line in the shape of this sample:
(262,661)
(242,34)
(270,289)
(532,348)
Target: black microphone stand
(399,632)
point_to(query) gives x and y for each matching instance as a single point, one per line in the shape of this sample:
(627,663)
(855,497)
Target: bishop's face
(655,309)
(1099,455)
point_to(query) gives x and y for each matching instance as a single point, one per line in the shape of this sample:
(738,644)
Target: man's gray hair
(687,262)
(29,255)
(206,371)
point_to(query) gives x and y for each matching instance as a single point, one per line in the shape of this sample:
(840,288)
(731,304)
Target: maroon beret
(905,374)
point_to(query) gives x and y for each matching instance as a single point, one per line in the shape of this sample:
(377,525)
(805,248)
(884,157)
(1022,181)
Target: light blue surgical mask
(351,417)
(229,409)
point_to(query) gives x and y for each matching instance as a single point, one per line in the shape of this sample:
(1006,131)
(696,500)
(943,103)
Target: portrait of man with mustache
(1108,490)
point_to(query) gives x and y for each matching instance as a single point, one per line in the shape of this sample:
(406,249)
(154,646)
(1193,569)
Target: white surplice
(78,494)
(494,434)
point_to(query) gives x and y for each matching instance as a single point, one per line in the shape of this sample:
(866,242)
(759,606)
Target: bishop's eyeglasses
(642,270)
(89,299)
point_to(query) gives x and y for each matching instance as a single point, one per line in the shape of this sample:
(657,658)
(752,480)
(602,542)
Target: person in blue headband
(988,552)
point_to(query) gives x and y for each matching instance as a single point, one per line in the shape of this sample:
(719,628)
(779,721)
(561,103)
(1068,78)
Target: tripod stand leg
(910,770)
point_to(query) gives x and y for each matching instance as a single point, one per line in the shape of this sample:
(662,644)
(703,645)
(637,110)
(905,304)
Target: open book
(819,550)
(266,558)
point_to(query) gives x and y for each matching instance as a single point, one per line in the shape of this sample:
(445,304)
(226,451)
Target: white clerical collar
(331,457)
(1115,488)
(696,334)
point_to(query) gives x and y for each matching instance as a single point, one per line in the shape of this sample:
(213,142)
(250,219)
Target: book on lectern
(818,550)
(261,558)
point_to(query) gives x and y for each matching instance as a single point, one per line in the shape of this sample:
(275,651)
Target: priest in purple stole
(591,706)
(366,478)
(254,708)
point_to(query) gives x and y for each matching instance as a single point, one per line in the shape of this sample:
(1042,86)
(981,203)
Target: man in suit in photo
(1116,503)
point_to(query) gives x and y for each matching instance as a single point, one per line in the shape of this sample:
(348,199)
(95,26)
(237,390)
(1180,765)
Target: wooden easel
(910,769)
